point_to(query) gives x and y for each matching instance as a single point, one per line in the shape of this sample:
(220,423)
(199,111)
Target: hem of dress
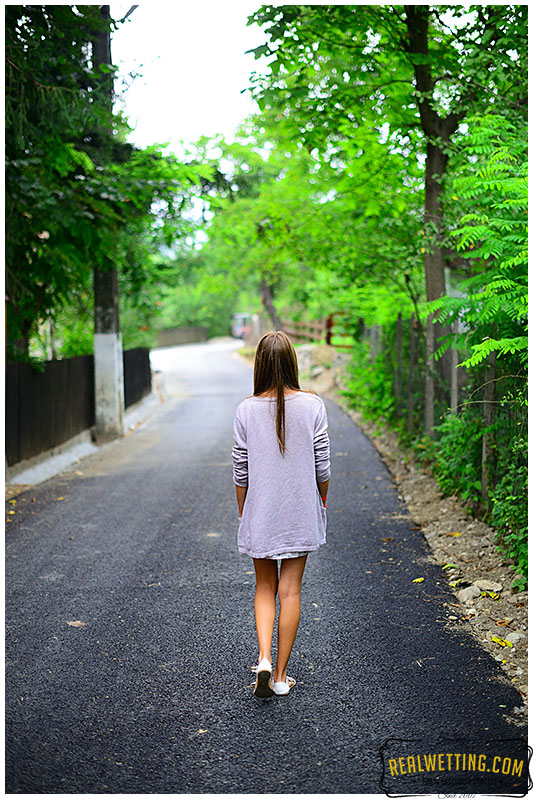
(271,553)
(289,555)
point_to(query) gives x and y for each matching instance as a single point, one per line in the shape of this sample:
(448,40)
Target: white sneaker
(263,684)
(283,688)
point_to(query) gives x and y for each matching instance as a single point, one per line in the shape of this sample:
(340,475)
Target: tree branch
(38,83)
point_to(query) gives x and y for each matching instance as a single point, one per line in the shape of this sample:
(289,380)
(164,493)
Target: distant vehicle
(240,324)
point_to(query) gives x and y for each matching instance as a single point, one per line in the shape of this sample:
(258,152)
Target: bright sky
(193,64)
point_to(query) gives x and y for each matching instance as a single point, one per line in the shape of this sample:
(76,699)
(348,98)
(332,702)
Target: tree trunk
(52,338)
(488,449)
(19,347)
(434,262)
(102,56)
(437,130)
(267,298)
(108,358)
(429,407)
(436,162)
(106,317)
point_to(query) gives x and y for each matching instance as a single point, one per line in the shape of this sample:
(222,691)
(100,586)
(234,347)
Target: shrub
(457,455)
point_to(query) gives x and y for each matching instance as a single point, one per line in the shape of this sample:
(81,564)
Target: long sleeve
(321,445)
(239,453)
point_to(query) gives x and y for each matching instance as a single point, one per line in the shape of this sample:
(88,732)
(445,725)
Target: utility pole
(108,364)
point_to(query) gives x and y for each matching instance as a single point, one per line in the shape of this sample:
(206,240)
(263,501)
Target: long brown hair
(275,369)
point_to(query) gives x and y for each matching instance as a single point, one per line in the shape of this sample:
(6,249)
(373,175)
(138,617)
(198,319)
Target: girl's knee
(266,587)
(290,578)
(288,591)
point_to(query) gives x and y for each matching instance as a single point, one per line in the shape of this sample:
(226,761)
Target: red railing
(306,331)
(316,331)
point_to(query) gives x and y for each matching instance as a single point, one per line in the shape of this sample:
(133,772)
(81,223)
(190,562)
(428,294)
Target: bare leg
(289,587)
(266,574)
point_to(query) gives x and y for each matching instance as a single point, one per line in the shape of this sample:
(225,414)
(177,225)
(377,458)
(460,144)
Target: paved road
(153,693)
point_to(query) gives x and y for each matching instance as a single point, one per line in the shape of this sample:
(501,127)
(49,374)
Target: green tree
(493,237)
(492,311)
(301,232)
(75,201)
(410,73)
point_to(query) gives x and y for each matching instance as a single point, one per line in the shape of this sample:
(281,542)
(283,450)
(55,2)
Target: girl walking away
(281,471)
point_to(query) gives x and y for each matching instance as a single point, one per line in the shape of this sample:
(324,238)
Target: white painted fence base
(108,386)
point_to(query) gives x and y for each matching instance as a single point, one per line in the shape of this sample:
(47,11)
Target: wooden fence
(45,409)
(318,330)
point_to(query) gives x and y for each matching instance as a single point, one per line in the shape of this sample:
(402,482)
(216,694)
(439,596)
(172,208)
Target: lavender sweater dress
(283,514)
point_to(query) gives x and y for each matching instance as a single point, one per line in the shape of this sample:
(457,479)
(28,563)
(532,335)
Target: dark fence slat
(137,375)
(12,436)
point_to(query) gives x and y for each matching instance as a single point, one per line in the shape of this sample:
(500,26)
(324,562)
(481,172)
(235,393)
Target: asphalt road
(152,693)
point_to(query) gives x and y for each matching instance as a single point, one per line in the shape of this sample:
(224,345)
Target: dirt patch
(14,489)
